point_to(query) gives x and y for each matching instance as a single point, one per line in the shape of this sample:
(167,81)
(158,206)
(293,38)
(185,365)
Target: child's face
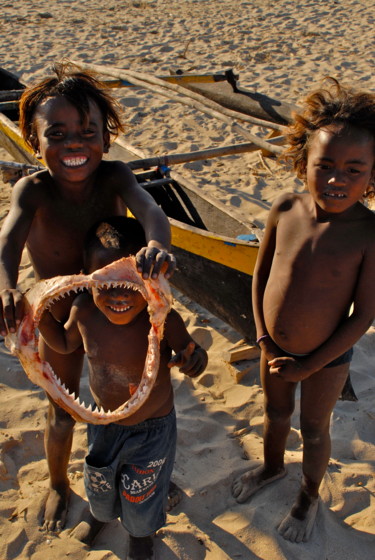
(340,166)
(71,149)
(120,305)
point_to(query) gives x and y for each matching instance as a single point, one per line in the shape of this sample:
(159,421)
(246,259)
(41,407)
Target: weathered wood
(241,351)
(173,159)
(193,99)
(245,101)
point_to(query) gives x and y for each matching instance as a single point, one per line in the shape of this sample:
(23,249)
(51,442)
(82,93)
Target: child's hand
(11,310)
(287,368)
(270,349)
(152,260)
(191,361)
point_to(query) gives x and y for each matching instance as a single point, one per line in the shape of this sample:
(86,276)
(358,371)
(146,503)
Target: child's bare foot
(56,509)
(298,524)
(174,495)
(88,529)
(140,548)
(252,481)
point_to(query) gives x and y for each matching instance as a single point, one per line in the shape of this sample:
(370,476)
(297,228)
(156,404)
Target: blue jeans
(128,470)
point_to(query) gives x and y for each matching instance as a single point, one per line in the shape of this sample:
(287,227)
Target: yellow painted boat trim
(240,256)
(173,79)
(15,137)
(12,132)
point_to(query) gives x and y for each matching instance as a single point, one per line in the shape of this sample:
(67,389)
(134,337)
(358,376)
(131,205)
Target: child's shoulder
(286,201)
(367,220)
(31,185)
(114,166)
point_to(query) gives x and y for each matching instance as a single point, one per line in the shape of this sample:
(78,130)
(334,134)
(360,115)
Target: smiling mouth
(119,308)
(337,195)
(74,161)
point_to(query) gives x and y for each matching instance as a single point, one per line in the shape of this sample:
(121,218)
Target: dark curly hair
(333,104)
(115,232)
(78,88)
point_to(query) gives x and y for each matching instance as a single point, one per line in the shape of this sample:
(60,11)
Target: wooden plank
(244,351)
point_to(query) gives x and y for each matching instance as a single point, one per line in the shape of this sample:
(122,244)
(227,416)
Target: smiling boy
(133,458)
(68,120)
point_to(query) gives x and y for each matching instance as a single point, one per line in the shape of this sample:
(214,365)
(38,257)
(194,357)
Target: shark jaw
(24,343)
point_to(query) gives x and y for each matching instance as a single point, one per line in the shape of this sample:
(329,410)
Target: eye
(354,171)
(55,134)
(87,132)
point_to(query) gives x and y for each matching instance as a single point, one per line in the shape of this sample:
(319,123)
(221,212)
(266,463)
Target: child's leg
(144,483)
(319,394)
(278,408)
(58,436)
(140,548)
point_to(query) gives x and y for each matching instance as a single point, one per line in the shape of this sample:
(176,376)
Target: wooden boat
(214,267)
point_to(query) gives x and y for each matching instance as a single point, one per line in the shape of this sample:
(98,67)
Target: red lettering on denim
(138,499)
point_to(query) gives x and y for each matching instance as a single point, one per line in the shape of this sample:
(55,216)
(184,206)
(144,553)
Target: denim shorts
(128,470)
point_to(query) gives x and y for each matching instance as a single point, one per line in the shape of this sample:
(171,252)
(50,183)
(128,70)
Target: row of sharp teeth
(77,289)
(91,408)
(72,396)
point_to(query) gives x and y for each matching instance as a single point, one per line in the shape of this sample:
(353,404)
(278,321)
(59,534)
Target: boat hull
(214,268)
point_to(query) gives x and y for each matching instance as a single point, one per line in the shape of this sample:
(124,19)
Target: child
(68,120)
(133,458)
(317,260)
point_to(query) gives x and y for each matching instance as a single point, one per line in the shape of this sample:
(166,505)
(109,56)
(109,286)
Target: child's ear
(107,141)
(33,139)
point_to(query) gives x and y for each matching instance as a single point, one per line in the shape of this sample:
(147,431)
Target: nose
(337,177)
(73,141)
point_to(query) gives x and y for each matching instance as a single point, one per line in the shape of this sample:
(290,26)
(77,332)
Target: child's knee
(278,414)
(59,419)
(314,433)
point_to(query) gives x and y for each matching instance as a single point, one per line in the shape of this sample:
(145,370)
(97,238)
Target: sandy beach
(282,49)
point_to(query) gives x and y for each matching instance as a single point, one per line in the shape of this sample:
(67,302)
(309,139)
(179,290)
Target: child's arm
(190,357)
(63,338)
(345,336)
(260,279)
(155,224)
(13,237)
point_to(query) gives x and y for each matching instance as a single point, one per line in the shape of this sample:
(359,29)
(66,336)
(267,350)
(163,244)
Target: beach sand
(282,49)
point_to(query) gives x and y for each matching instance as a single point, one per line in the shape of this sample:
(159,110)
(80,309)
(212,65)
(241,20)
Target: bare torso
(58,229)
(116,356)
(313,274)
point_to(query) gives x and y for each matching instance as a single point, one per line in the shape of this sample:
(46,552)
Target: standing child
(133,458)
(313,290)
(68,120)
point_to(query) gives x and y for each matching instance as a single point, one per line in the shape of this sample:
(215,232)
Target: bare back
(314,272)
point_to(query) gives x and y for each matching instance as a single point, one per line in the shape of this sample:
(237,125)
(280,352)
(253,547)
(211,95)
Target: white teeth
(75,162)
(118,309)
(334,195)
